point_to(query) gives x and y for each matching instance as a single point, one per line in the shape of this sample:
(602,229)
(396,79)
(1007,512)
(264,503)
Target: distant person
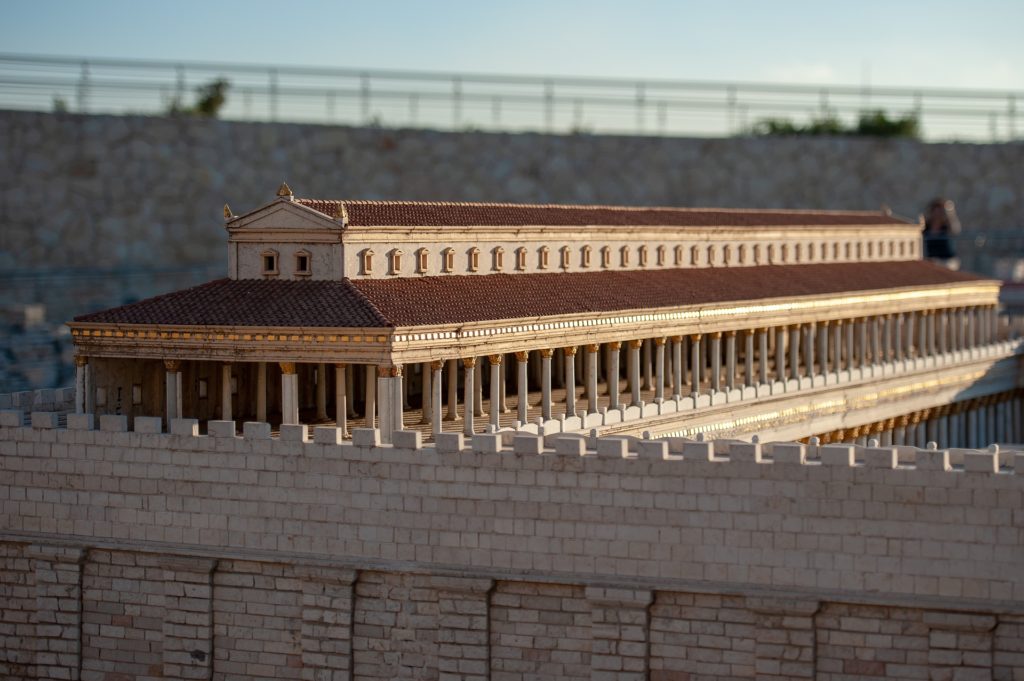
(940,226)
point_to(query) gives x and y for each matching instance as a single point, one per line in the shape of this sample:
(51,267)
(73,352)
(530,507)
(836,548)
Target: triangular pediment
(283,215)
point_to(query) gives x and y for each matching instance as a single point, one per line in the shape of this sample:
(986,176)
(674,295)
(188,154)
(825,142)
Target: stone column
(592,358)
(289,394)
(876,345)
(862,341)
(634,371)
(715,356)
(225,392)
(808,342)
(748,358)
(897,346)
(435,396)
(545,384)
(837,349)
(930,344)
(695,362)
(922,333)
(261,391)
(762,352)
(823,347)
(899,433)
(426,391)
(613,374)
(619,625)
(82,386)
(172,390)
(371,396)
(648,372)
(58,609)
(502,392)
(478,395)
(522,386)
(453,391)
(730,360)
(849,345)
(495,362)
(389,401)
(188,617)
(570,381)
(780,353)
(942,331)
(321,392)
(341,397)
(659,369)
(794,351)
(469,366)
(677,367)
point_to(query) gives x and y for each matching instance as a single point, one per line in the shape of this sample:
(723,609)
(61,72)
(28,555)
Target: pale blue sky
(966,44)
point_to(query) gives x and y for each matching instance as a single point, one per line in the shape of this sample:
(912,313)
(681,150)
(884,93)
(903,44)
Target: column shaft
(762,353)
(715,369)
(495,362)
(748,358)
(225,392)
(341,397)
(522,386)
(659,369)
(570,381)
(453,391)
(545,384)
(730,360)
(613,374)
(435,396)
(695,362)
(591,369)
(261,392)
(426,391)
(470,375)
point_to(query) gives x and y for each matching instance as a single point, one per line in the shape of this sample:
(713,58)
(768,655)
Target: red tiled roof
(452,214)
(414,301)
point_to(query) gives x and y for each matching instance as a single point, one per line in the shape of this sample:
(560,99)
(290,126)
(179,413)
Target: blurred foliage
(210,99)
(869,124)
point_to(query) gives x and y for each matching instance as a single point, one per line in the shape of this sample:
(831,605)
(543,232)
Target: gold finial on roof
(284,190)
(227,212)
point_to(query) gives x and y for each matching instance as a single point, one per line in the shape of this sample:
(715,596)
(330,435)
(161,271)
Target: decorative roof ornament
(285,192)
(227,212)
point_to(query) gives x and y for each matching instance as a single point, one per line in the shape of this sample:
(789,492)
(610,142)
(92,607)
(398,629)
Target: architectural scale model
(547,319)
(491,442)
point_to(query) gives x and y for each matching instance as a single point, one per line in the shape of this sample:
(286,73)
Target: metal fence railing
(489,102)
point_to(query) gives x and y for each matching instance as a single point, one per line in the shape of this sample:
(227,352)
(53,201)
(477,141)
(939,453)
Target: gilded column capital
(469,362)
(546,353)
(730,334)
(522,356)
(389,371)
(82,360)
(636,344)
(660,340)
(615,345)
(677,339)
(695,337)
(715,335)
(171,365)
(437,364)
(494,360)
(593,347)
(340,365)
(287,368)
(569,351)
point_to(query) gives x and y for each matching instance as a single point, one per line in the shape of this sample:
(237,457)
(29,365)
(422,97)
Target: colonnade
(613,375)
(974,423)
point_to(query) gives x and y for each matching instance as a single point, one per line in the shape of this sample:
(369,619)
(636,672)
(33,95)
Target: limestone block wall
(180,556)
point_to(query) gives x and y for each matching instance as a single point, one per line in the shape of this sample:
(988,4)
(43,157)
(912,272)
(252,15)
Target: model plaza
(558,319)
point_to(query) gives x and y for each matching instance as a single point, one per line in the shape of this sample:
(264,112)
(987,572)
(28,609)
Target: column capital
(903,421)
(636,344)
(569,351)
(522,356)
(437,364)
(287,368)
(730,333)
(695,337)
(824,323)
(677,339)
(546,353)
(715,335)
(615,345)
(469,362)
(494,360)
(853,432)
(660,340)
(389,371)
(82,360)
(593,347)
(340,365)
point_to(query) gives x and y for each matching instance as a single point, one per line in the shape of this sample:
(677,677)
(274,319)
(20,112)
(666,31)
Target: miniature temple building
(541,318)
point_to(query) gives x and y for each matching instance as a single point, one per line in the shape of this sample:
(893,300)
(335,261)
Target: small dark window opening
(303,263)
(269,263)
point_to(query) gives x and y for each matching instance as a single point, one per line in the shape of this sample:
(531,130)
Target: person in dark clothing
(940,226)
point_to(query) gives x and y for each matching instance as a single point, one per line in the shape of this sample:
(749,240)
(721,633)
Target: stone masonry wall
(179,556)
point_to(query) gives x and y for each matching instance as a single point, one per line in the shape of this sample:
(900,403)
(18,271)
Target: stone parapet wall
(899,520)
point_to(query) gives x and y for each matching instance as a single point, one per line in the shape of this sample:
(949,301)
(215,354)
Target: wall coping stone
(45,419)
(186,427)
(407,439)
(81,421)
(256,430)
(294,432)
(327,435)
(220,428)
(114,423)
(148,424)
(366,437)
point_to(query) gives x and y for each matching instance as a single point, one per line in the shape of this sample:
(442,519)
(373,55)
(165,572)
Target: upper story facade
(313,239)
